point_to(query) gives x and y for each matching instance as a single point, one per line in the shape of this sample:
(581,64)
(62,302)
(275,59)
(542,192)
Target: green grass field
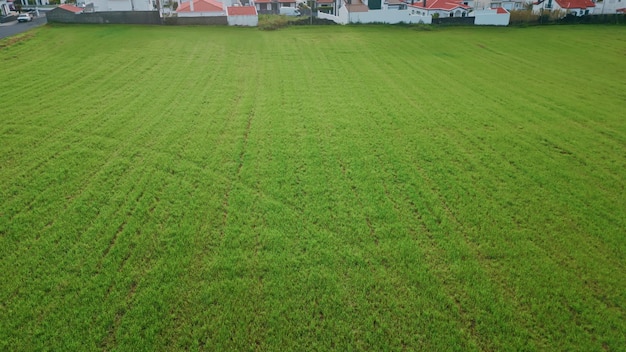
(315,188)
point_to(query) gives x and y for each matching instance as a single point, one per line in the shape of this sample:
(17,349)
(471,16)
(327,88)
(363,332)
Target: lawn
(313,188)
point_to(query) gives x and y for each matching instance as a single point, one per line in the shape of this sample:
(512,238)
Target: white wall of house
(263,6)
(457,12)
(249,21)
(376,16)
(338,18)
(609,6)
(556,7)
(201,14)
(4,8)
(121,5)
(388,16)
(508,4)
(490,17)
(342,16)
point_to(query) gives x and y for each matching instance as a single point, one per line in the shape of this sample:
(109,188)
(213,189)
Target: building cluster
(245,12)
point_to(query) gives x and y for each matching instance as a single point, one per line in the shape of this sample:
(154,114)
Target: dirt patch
(14,40)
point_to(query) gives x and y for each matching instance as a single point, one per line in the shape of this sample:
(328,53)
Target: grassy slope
(313,188)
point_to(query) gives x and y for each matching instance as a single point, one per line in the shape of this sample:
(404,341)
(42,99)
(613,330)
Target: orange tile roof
(357,6)
(71,8)
(241,11)
(501,10)
(446,5)
(575,4)
(201,6)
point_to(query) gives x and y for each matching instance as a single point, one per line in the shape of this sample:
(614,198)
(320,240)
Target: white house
(441,8)
(573,7)
(4,8)
(122,5)
(287,3)
(242,16)
(265,6)
(328,6)
(610,7)
(510,5)
(201,8)
(491,17)
(374,11)
(273,6)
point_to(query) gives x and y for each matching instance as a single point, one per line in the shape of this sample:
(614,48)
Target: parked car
(24,17)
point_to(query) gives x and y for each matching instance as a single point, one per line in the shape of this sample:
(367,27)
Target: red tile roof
(201,6)
(357,6)
(501,10)
(241,11)
(575,4)
(446,5)
(71,8)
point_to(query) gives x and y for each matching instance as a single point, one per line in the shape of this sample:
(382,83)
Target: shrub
(272,22)
(523,17)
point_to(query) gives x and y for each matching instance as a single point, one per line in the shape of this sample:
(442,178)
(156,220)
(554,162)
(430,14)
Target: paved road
(12,28)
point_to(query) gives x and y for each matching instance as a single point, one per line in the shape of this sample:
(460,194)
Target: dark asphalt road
(13,28)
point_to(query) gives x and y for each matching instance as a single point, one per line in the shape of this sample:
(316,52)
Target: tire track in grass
(75,144)
(469,323)
(433,256)
(205,256)
(462,135)
(226,201)
(465,316)
(554,256)
(488,262)
(351,182)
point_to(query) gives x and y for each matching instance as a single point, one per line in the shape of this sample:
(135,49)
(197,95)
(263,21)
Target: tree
(18,5)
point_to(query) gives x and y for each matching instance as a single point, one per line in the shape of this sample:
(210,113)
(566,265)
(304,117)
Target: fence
(195,21)
(529,18)
(113,17)
(454,21)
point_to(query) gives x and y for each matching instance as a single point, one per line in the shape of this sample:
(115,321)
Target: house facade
(201,8)
(122,5)
(570,7)
(4,8)
(491,17)
(373,11)
(242,16)
(509,5)
(441,8)
(608,7)
(266,6)
(273,6)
